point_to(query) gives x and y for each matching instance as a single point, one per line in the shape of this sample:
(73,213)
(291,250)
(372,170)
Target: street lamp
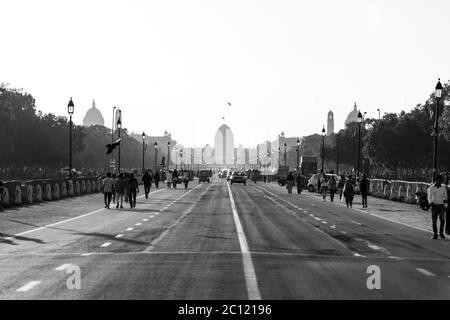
(360,118)
(337,154)
(438,96)
(143,152)
(176,158)
(279,156)
(119,126)
(323,148)
(70,110)
(285,146)
(379,117)
(181,159)
(156,152)
(112,136)
(168,155)
(298,154)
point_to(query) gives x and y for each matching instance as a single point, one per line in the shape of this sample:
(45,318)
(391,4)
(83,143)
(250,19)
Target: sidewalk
(405,213)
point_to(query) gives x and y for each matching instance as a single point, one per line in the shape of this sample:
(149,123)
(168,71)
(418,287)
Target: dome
(352,116)
(93,117)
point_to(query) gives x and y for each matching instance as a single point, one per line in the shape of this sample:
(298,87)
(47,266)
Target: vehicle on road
(204,175)
(238,177)
(313,182)
(223,173)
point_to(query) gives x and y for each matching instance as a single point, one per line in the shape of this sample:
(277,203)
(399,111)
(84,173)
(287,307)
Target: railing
(396,190)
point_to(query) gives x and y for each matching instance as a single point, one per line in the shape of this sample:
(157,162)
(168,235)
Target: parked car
(313,182)
(238,177)
(204,175)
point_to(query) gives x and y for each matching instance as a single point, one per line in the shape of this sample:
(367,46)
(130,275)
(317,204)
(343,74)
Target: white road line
(119,236)
(62,267)
(106,244)
(395,258)
(249,269)
(138,224)
(145,220)
(334,227)
(426,272)
(358,255)
(30,285)
(324,222)
(64,221)
(129,229)
(343,232)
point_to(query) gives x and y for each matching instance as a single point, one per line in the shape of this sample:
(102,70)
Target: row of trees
(401,144)
(29,138)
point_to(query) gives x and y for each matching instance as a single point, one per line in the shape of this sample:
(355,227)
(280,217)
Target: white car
(313,182)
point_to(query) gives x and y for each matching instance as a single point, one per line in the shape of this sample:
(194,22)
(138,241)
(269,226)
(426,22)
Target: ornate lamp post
(360,118)
(298,155)
(70,110)
(181,159)
(156,152)
(168,155)
(119,126)
(279,156)
(438,96)
(323,148)
(285,160)
(143,152)
(176,158)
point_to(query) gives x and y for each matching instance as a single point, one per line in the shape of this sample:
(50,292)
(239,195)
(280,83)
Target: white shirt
(437,195)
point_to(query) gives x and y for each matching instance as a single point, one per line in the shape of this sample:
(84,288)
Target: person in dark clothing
(1,194)
(332,186)
(364,189)
(447,215)
(147,180)
(175,178)
(132,187)
(349,191)
(340,187)
(299,182)
(289,182)
(157,178)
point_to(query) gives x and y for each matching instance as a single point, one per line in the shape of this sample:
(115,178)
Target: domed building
(352,116)
(93,117)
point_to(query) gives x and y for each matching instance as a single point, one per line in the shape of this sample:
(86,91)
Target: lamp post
(337,154)
(119,126)
(323,148)
(156,152)
(279,156)
(168,155)
(70,110)
(298,155)
(176,158)
(379,116)
(181,159)
(438,96)
(143,152)
(112,135)
(360,118)
(285,160)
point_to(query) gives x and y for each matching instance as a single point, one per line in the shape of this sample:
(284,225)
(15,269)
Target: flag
(110,147)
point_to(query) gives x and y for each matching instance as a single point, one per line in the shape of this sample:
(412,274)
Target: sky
(174,65)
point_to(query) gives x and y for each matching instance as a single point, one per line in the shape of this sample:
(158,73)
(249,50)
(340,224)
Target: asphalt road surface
(219,241)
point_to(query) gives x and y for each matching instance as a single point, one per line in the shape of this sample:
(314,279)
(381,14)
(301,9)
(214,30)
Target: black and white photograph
(248,151)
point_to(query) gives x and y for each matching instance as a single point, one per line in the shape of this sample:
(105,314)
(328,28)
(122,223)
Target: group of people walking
(174,177)
(345,187)
(125,187)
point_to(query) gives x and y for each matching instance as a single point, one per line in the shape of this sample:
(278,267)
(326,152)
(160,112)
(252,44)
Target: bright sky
(174,64)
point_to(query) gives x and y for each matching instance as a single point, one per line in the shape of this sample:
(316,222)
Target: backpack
(349,188)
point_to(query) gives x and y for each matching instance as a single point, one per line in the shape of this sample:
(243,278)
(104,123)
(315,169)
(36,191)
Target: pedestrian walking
(437,196)
(114,192)
(175,178)
(324,186)
(157,178)
(364,189)
(107,189)
(333,187)
(289,182)
(186,179)
(299,182)
(147,180)
(119,190)
(447,217)
(1,194)
(133,187)
(169,180)
(349,191)
(340,187)
(126,186)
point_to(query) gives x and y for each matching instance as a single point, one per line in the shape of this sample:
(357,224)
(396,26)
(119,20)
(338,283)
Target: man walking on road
(1,194)
(133,187)
(108,186)
(147,180)
(157,178)
(437,196)
(299,182)
(119,190)
(349,191)
(364,189)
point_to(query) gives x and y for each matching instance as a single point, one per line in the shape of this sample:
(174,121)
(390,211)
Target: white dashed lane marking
(30,285)
(119,236)
(129,229)
(138,224)
(426,272)
(106,244)
(145,220)
(62,267)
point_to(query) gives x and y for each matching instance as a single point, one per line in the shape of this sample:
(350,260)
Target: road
(218,241)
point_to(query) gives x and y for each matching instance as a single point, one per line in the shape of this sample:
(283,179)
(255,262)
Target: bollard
(64,189)
(55,191)
(27,194)
(88,186)
(5,197)
(77,188)
(83,186)
(47,191)
(71,189)
(38,193)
